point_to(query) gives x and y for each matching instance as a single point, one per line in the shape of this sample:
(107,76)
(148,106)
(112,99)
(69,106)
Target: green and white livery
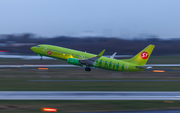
(78,58)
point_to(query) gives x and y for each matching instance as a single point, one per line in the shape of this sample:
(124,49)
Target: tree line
(91,44)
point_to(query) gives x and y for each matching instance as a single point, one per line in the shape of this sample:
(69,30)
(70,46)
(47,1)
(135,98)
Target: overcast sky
(91,17)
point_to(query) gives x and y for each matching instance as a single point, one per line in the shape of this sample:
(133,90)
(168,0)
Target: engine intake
(73,61)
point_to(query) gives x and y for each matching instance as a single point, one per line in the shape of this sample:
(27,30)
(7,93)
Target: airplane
(88,60)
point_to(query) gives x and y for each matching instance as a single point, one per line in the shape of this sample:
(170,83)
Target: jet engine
(73,61)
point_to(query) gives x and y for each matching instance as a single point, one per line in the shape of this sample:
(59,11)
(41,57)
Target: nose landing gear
(87,69)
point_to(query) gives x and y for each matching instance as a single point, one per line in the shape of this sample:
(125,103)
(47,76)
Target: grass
(19,84)
(17,80)
(171,59)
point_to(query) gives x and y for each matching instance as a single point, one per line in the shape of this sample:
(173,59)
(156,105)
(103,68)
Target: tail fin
(142,57)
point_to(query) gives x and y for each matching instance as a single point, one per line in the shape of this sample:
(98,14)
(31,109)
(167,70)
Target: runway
(88,95)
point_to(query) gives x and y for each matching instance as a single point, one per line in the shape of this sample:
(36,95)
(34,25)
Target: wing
(91,61)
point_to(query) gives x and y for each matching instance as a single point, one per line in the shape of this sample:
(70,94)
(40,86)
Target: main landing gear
(41,58)
(87,69)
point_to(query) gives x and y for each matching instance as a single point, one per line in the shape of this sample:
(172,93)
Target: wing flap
(91,61)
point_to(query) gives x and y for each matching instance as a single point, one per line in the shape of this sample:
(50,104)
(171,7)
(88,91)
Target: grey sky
(98,17)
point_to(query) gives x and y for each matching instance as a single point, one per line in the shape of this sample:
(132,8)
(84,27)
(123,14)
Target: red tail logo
(49,52)
(144,55)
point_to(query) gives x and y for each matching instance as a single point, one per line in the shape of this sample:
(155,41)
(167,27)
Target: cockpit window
(38,46)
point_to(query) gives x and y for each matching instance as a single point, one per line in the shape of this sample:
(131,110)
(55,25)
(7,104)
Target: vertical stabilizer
(142,57)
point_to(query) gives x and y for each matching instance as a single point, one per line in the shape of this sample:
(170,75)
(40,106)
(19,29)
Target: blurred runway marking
(89,95)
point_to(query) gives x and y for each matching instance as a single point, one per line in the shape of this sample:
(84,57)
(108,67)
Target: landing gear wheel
(87,69)
(41,58)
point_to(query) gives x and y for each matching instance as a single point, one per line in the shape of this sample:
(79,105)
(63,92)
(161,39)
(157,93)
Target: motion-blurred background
(122,26)
(21,44)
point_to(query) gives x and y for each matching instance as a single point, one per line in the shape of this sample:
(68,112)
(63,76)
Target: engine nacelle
(73,61)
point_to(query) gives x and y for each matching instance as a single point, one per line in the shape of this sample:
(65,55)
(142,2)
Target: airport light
(49,109)
(160,71)
(3,51)
(43,68)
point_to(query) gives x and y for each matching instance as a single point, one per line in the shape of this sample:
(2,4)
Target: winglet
(113,55)
(102,52)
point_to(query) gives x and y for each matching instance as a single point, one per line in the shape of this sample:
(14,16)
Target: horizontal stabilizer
(113,55)
(144,67)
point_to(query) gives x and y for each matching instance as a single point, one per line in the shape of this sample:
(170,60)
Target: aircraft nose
(33,48)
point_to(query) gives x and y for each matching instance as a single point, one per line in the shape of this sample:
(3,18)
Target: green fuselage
(102,62)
